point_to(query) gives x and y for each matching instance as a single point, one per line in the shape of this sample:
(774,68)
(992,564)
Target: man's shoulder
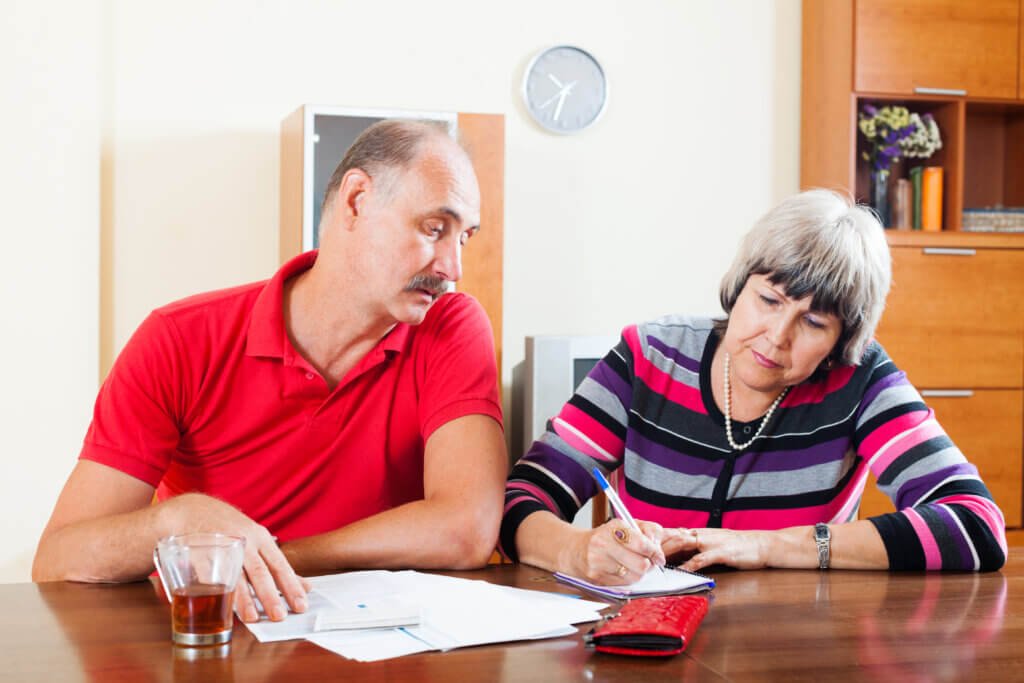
(454,308)
(219,302)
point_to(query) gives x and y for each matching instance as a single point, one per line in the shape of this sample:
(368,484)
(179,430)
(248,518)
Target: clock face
(565,89)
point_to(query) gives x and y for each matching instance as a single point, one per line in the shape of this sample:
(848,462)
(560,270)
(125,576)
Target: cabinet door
(900,45)
(954,319)
(986,426)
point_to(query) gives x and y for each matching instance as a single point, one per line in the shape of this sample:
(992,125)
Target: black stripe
(510,524)
(990,555)
(603,418)
(666,500)
(972,487)
(948,550)
(615,362)
(686,448)
(901,542)
(912,456)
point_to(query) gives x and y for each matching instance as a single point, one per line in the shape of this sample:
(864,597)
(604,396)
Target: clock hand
(554,80)
(561,101)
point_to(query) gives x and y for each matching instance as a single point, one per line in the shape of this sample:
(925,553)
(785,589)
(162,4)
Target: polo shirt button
(310,375)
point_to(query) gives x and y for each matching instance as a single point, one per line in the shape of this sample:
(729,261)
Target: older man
(343,413)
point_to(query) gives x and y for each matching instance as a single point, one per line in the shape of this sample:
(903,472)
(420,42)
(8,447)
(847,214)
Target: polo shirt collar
(266,336)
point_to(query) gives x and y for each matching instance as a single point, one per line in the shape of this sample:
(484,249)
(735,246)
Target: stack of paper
(452,613)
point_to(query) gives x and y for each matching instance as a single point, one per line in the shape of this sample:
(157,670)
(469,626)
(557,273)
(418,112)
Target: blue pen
(617,505)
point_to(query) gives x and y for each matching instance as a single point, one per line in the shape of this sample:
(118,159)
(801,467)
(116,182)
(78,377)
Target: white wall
(49,263)
(634,218)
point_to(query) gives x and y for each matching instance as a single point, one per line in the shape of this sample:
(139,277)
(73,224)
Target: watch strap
(823,539)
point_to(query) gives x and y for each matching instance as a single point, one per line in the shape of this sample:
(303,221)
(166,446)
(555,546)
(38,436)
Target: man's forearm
(418,535)
(114,548)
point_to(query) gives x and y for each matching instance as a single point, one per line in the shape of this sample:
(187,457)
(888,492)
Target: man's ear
(351,198)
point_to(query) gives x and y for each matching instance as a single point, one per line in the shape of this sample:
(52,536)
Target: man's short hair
(820,244)
(386,146)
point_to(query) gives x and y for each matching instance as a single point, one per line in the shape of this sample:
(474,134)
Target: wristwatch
(823,539)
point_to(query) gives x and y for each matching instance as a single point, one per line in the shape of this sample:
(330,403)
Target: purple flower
(870,110)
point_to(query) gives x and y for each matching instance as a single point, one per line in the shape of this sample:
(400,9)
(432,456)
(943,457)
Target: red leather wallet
(650,627)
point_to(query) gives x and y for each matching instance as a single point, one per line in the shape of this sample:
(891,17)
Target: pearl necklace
(728,412)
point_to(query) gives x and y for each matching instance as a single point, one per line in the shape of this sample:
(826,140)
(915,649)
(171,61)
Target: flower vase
(880,196)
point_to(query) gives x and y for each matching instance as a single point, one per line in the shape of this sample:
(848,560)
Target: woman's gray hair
(820,244)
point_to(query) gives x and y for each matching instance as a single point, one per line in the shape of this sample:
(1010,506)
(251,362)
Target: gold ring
(622,570)
(622,536)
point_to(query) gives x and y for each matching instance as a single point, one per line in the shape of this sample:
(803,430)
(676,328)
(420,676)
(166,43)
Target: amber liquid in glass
(202,609)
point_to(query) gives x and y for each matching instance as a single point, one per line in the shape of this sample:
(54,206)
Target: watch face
(565,89)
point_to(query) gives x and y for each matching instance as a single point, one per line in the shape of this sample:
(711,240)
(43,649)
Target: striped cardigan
(646,412)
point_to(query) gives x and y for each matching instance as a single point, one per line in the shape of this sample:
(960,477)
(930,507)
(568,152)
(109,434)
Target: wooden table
(763,625)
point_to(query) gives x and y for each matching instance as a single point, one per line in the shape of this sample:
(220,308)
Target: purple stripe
(674,354)
(953,529)
(788,461)
(671,459)
(892,379)
(613,382)
(567,470)
(913,488)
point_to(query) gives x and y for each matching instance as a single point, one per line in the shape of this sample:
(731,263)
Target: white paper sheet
(455,613)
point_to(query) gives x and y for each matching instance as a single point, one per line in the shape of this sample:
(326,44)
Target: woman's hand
(613,554)
(705,547)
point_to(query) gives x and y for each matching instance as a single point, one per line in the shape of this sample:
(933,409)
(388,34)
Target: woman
(747,441)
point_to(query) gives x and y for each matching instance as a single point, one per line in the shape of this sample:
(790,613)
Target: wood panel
(483,135)
(292,168)
(900,45)
(828,129)
(955,321)
(987,429)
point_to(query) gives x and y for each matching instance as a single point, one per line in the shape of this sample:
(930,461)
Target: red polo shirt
(210,395)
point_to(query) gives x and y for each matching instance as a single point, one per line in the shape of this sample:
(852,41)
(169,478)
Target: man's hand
(267,571)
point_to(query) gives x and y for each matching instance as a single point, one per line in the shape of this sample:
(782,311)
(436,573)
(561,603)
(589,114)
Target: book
(915,211)
(931,199)
(673,581)
(902,205)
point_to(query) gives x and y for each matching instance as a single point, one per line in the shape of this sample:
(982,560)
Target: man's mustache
(431,283)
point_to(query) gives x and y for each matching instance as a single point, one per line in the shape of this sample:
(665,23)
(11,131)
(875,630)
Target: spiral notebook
(673,581)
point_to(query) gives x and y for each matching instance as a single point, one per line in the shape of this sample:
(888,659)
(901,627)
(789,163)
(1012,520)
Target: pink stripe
(515,501)
(659,381)
(535,491)
(893,429)
(850,498)
(984,508)
(902,445)
(815,392)
(775,519)
(662,383)
(594,430)
(932,557)
(667,517)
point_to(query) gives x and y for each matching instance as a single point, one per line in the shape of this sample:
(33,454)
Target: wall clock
(565,89)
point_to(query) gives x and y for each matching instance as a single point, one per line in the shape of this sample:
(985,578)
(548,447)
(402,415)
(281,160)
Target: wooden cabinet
(882,52)
(962,47)
(954,322)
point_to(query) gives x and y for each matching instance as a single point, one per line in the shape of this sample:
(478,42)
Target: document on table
(672,581)
(453,613)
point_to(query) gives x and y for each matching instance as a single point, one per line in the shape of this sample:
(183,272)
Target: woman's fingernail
(301,604)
